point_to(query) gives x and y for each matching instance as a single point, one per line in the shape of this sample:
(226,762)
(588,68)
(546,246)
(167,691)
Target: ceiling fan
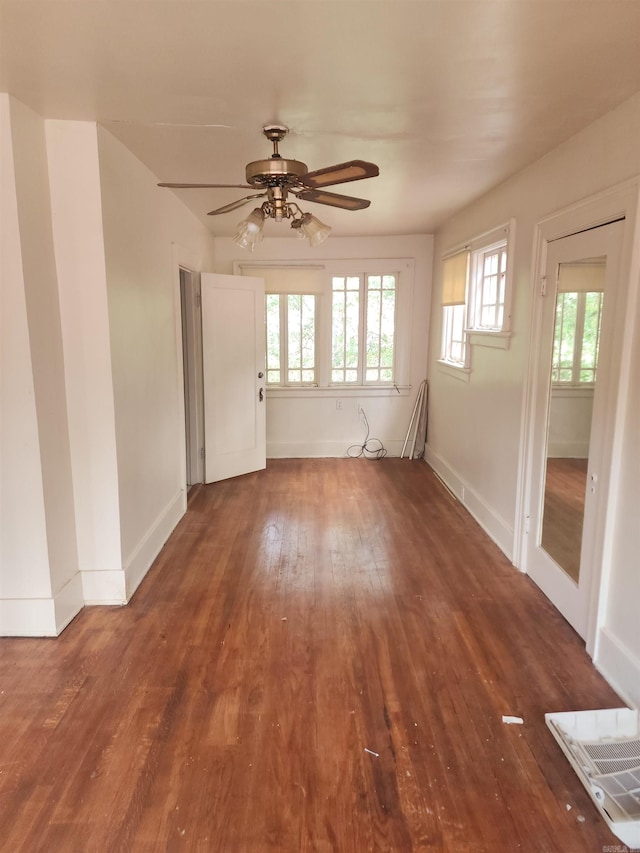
(277,179)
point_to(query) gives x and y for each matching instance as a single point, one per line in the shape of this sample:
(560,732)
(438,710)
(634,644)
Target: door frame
(618,202)
(187,260)
(191,334)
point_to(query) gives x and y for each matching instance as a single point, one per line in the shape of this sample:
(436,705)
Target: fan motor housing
(274,172)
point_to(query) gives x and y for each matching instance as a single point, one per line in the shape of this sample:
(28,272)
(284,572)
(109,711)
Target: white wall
(92,432)
(72,149)
(307,425)
(570,412)
(142,225)
(45,594)
(475,430)
(25,584)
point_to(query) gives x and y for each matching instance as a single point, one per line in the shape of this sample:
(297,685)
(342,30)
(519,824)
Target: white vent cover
(603,748)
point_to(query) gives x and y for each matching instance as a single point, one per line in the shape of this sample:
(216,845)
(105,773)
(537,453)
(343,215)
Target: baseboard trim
(27,617)
(323,449)
(493,525)
(141,559)
(619,666)
(68,602)
(104,587)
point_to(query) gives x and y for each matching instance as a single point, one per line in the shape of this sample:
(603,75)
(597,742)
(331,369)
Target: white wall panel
(476,427)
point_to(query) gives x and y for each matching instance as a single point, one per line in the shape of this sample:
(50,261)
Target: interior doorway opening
(191,321)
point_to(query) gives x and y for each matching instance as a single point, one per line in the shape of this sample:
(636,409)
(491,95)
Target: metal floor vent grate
(603,748)
(610,757)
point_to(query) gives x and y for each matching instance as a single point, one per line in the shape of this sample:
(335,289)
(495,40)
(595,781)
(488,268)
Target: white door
(233,355)
(573,408)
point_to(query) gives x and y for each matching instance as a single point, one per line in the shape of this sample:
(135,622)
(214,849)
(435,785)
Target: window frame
(404,269)
(578,344)
(364,331)
(283,310)
(474,334)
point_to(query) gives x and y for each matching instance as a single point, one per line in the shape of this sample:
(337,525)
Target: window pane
(301,346)
(564,337)
(307,323)
(345,322)
(489,288)
(373,328)
(453,339)
(591,334)
(294,347)
(290,334)
(381,303)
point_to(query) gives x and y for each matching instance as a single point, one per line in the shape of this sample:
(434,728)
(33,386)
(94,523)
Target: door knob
(260,375)
(261,394)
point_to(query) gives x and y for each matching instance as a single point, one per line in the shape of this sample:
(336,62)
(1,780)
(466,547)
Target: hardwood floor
(564,496)
(319,660)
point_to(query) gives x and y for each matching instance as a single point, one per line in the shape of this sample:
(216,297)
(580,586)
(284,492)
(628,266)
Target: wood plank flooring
(319,660)
(564,497)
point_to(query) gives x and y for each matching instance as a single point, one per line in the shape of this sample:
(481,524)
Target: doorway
(190,312)
(573,390)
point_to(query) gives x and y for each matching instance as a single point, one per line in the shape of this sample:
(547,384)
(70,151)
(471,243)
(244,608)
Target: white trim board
(104,587)
(68,602)
(27,617)
(619,666)
(142,557)
(495,527)
(324,449)
(41,617)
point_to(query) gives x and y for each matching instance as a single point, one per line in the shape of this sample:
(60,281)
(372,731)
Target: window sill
(339,391)
(461,373)
(559,389)
(486,338)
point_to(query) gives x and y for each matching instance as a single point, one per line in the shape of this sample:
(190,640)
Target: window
(342,327)
(454,340)
(489,271)
(291,338)
(476,297)
(576,338)
(363,328)
(454,312)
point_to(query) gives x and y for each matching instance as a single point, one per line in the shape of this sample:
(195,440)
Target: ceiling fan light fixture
(309,226)
(278,178)
(249,232)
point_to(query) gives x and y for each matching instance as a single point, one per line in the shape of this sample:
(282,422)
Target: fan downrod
(275,133)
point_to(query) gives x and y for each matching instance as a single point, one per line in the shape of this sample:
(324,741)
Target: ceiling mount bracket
(275,133)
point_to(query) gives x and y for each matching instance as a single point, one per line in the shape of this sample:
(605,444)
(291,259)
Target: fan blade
(345,201)
(206,186)
(227,208)
(354,170)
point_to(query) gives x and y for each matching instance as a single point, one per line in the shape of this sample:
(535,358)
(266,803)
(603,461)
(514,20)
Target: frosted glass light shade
(315,231)
(249,232)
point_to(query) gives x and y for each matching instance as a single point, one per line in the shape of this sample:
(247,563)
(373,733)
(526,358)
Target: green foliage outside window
(576,338)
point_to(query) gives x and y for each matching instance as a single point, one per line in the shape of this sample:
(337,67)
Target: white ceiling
(448,97)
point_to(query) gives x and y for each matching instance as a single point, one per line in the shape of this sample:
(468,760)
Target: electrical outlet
(339,404)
